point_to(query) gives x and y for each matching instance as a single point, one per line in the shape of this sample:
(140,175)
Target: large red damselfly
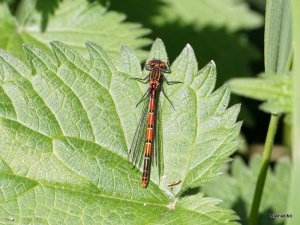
(146,132)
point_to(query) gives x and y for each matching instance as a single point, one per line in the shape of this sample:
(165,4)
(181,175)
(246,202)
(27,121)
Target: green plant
(68,115)
(277,91)
(66,126)
(71,21)
(236,189)
(293,200)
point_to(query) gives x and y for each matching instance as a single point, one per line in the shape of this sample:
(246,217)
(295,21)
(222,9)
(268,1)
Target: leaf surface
(66,124)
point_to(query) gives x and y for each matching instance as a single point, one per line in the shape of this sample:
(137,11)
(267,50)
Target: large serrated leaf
(232,14)
(73,22)
(66,125)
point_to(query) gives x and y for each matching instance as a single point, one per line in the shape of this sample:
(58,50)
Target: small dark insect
(155,78)
(174,183)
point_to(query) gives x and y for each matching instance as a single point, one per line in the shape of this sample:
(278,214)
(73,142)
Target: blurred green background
(230,32)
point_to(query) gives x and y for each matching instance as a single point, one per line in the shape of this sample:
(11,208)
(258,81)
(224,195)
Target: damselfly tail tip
(144,184)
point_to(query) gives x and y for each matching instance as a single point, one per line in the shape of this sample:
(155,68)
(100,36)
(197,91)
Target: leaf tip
(239,124)
(125,48)
(92,46)
(212,63)
(238,106)
(28,49)
(158,40)
(189,47)
(158,50)
(94,50)
(54,43)
(189,51)
(26,46)
(89,43)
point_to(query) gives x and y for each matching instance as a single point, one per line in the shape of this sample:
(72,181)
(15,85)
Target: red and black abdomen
(149,137)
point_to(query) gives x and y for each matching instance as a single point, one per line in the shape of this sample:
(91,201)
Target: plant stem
(264,169)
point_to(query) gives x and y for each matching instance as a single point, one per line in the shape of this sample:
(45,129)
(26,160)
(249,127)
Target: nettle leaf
(276,91)
(73,22)
(66,126)
(238,189)
(232,14)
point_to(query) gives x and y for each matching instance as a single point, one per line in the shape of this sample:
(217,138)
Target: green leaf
(73,22)
(232,14)
(236,190)
(276,91)
(209,36)
(277,50)
(66,125)
(278,36)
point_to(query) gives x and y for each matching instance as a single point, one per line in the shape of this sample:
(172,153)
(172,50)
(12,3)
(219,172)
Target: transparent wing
(157,145)
(136,151)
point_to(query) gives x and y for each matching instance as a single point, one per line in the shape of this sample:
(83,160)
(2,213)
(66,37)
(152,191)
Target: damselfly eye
(163,65)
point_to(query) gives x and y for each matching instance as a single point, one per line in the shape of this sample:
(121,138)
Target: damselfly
(146,132)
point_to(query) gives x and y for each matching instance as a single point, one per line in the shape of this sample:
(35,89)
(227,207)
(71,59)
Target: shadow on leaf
(190,191)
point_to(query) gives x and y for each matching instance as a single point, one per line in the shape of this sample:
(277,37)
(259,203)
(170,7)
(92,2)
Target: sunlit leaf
(66,124)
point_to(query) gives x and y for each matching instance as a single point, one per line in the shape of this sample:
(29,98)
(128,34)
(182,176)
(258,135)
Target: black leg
(144,96)
(163,91)
(167,70)
(171,82)
(142,80)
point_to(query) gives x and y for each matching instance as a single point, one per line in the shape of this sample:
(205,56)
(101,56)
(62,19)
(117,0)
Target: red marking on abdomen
(149,139)
(147,149)
(146,171)
(149,135)
(151,118)
(152,104)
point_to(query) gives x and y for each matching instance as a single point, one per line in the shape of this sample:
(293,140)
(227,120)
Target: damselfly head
(164,67)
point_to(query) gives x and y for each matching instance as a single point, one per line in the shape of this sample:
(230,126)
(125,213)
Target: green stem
(264,169)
